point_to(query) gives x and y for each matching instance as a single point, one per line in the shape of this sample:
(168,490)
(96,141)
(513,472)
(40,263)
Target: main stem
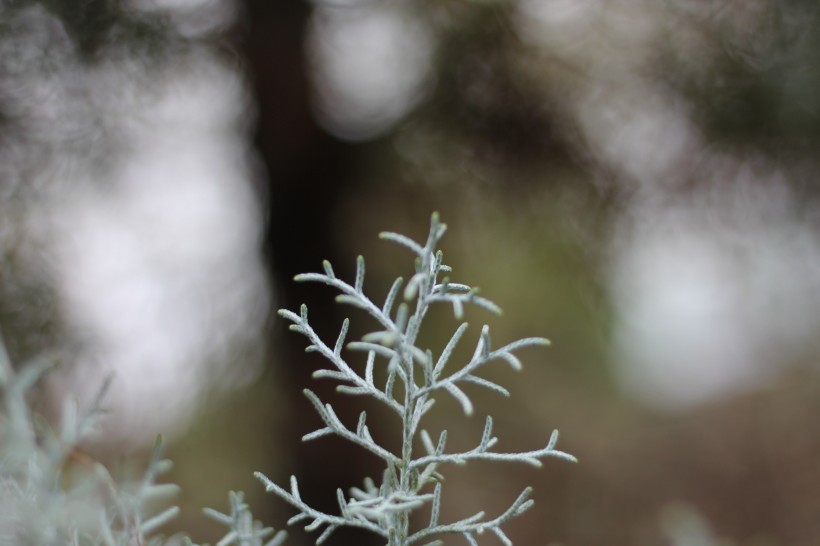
(401,521)
(402,518)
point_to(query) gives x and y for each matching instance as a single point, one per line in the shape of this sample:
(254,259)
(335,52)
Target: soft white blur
(135,203)
(714,275)
(192,18)
(370,65)
(716,294)
(161,269)
(151,229)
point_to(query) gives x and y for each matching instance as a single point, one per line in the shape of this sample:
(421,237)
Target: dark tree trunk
(307,173)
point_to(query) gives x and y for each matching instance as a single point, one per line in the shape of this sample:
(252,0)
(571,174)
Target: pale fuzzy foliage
(40,506)
(409,480)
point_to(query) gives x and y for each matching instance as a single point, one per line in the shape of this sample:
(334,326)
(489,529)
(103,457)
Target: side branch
(319,518)
(471,525)
(350,295)
(482,356)
(481,452)
(364,386)
(335,426)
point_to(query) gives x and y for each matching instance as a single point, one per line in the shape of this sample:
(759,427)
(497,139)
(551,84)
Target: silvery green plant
(38,505)
(244,530)
(41,506)
(414,378)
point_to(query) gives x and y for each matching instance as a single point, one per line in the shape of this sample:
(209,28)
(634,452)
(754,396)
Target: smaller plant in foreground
(413,379)
(41,504)
(244,530)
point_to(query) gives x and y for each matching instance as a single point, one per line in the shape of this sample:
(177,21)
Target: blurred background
(636,180)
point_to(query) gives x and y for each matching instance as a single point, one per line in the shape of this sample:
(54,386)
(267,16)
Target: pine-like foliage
(414,378)
(43,504)
(244,530)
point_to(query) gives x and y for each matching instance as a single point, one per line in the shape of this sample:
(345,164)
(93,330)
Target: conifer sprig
(39,505)
(244,529)
(386,509)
